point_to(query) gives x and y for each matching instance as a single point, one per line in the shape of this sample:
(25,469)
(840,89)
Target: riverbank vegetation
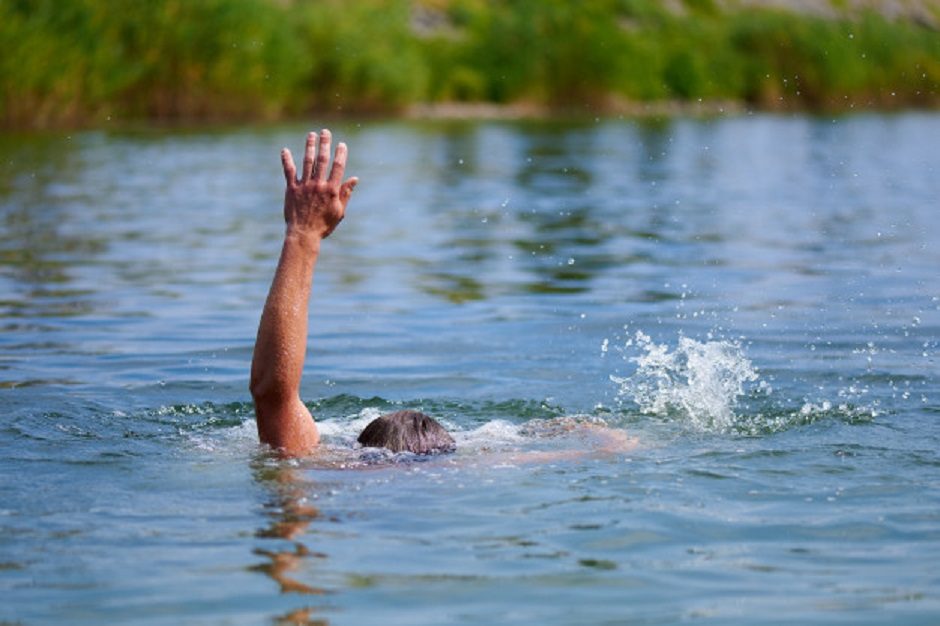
(88,62)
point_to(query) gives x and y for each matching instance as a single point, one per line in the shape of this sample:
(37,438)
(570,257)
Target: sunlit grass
(69,62)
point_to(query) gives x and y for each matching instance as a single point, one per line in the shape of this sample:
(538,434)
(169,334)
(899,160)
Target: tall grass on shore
(82,62)
(70,61)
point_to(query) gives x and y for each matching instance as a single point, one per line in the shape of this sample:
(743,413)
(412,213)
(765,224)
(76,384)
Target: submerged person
(314,204)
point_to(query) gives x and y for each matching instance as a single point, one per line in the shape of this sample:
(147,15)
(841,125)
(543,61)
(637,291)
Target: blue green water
(755,298)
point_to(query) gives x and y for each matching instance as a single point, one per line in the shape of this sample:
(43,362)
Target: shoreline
(468,112)
(531,111)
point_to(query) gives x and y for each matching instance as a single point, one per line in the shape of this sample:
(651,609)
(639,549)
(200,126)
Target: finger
(323,156)
(346,189)
(339,164)
(290,170)
(309,151)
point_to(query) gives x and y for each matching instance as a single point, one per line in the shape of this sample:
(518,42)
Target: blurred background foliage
(84,62)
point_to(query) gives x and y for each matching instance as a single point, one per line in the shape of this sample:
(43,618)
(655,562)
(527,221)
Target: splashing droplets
(699,382)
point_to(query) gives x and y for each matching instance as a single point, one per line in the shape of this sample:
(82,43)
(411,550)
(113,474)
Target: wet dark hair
(407,430)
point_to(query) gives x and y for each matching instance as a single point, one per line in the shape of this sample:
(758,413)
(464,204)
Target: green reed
(82,62)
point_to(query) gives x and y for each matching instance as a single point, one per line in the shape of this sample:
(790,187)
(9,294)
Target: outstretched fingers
(290,170)
(323,155)
(339,164)
(315,165)
(309,155)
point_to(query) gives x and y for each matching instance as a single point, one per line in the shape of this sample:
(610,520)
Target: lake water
(755,298)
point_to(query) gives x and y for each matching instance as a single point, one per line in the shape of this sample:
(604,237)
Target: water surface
(755,298)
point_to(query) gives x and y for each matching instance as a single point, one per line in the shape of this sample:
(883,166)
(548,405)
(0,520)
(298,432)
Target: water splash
(344,431)
(699,382)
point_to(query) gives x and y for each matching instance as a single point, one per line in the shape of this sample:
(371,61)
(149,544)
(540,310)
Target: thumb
(346,189)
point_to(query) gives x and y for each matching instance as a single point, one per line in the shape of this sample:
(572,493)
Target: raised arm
(313,206)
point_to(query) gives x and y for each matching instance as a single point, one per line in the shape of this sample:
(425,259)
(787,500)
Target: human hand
(315,204)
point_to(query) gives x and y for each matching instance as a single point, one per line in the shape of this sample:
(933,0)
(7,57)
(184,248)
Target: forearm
(278,361)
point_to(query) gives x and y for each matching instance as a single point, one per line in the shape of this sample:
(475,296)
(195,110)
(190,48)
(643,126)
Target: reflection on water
(39,244)
(289,516)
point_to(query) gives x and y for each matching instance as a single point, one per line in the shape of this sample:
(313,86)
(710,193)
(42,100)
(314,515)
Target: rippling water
(755,298)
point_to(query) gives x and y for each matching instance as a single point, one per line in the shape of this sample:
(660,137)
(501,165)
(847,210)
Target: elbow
(268,387)
(255,385)
(255,388)
(261,387)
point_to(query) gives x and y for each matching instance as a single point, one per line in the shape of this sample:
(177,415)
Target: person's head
(407,430)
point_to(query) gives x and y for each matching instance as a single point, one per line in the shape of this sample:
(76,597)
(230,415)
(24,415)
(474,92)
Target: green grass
(82,62)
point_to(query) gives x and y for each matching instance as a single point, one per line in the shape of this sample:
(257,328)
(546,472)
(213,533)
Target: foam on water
(700,382)
(215,431)
(341,433)
(345,431)
(495,432)
(237,440)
